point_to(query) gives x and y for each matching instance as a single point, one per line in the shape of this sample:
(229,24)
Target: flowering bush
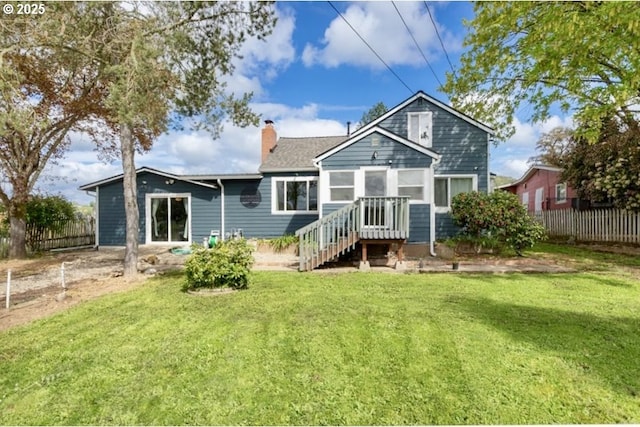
(227,264)
(499,215)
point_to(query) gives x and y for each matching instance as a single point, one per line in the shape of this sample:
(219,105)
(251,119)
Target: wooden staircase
(370,218)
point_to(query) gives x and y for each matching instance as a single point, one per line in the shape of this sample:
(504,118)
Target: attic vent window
(420,128)
(375,141)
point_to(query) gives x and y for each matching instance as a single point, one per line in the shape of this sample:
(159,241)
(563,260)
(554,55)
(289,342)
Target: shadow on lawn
(607,347)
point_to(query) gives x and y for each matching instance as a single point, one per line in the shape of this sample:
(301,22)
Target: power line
(416,43)
(440,38)
(370,48)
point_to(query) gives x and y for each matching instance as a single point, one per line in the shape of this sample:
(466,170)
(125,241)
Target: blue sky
(311,77)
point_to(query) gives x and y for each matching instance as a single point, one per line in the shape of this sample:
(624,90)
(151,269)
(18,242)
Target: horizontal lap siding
(205,208)
(360,154)
(418,223)
(445,227)
(464,147)
(258,221)
(111,215)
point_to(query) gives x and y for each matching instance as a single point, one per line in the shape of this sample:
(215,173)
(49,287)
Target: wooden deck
(370,220)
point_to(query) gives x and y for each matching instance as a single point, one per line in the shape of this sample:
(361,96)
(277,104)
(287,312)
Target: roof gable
(529,173)
(390,135)
(422,95)
(93,185)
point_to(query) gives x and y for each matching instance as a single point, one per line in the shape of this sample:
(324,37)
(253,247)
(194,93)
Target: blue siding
(258,221)
(419,221)
(445,227)
(464,147)
(360,154)
(205,208)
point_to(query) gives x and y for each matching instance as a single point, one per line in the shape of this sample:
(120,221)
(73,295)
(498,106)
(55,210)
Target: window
(168,218)
(525,199)
(298,194)
(446,188)
(419,128)
(561,193)
(411,183)
(341,186)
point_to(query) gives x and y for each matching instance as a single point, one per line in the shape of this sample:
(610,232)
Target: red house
(540,188)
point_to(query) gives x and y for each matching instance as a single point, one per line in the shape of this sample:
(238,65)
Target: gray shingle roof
(298,153)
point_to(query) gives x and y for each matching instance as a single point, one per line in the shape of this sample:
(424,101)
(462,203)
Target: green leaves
(499,215)
(576,55)
(228,264)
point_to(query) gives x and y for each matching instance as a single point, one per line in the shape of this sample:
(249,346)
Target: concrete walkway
(288,262)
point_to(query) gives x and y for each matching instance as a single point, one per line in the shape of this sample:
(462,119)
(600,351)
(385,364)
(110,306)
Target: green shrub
(228,264)
(496,217)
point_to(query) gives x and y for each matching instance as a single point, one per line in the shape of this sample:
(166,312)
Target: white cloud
(261,60)
(379,24)
(510,157)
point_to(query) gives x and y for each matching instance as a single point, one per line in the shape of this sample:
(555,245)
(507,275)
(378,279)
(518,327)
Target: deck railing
(367,218)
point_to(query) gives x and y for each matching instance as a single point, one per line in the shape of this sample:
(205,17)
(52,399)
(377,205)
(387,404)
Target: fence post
(8,297)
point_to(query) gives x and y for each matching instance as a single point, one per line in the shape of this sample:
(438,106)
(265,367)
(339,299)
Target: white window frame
(525,199)
(147,205)
(561,185)
(425,128)
(285,179)
(329,186)
(425,181)
(444,209)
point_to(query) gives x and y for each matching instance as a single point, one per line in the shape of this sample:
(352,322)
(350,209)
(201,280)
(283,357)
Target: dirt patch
(36,284)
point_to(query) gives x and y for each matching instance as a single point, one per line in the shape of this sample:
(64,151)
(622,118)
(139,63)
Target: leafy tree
(498,215)
(580,56)
(156,64)
(373,113)
(608,170)
(49,212)
(554,147)
(43,213)
(44,94)
(167,62)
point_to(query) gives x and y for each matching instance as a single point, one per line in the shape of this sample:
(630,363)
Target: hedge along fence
(68,234)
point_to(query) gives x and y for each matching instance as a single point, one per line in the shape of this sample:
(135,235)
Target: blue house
(390,181)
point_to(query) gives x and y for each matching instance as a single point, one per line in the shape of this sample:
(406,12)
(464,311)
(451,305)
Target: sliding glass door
(169,218)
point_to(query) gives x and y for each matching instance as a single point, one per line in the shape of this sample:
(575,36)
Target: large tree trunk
(17,210)
(127,147)
(17,229)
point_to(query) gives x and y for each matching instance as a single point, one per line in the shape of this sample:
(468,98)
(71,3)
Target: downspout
(222,234)
(432,210)
(96,214)
(320,189)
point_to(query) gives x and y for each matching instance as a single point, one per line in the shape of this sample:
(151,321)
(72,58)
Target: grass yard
(336,349)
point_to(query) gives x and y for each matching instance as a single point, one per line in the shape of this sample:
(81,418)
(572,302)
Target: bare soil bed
(36,284)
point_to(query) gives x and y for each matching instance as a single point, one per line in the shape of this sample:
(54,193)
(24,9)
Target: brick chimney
(269,139)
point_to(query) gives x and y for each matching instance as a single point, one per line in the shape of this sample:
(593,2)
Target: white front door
(375,185)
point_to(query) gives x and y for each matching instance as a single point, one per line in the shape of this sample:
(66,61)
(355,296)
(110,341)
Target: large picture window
(446,188)
(168,217)
(296,194)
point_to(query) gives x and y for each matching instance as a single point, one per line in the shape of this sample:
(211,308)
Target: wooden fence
(67,235)
(600,225)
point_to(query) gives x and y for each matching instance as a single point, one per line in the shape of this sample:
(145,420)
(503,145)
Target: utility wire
(440,38)
(370,48)
(416,43)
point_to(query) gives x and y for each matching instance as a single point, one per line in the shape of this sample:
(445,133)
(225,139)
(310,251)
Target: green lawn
(337,349)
